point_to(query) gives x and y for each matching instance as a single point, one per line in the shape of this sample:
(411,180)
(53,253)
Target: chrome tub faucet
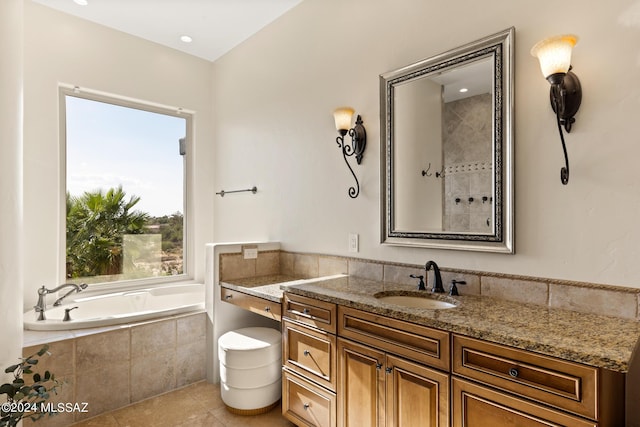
(41,305)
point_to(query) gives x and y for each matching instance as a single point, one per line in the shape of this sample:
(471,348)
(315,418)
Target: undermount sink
(414,301)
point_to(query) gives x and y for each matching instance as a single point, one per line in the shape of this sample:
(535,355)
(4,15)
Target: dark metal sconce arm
(564,172)
(358,143)
(566,97)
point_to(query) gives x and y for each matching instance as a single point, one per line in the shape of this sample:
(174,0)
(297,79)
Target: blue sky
(109,145)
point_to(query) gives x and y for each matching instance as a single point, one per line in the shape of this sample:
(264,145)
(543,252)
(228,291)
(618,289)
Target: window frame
(188,201)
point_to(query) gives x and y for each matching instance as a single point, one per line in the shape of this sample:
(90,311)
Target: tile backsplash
(607,300)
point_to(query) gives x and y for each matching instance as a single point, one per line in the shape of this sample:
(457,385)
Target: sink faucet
(437,287)
(41,305)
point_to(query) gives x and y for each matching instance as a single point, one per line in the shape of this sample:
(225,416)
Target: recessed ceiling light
(81,2)
(463,90)
(186,39)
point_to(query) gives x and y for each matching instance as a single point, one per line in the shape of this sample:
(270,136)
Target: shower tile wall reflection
(467,147)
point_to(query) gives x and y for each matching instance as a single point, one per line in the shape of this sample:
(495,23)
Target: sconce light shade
(554,54)
(565,94)
(343,116)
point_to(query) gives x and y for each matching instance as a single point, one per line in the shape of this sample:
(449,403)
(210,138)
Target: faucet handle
(421,285)
(454,289)
(67,317)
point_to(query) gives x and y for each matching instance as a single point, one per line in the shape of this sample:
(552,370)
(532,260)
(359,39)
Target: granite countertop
(594,340)
(267,287)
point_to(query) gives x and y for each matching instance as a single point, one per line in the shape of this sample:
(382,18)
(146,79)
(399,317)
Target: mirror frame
(499,47)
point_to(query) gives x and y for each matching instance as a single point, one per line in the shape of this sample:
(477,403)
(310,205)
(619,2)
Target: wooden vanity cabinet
(261,306)
(309,361)
(521,388)
(379,389)
(382,378)
(474,405)
(350,368)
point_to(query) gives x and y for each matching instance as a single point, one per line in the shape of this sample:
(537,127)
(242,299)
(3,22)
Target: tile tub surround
(128,364)
(592,339)
(281,265)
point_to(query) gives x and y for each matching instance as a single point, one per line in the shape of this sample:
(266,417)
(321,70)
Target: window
(125,189)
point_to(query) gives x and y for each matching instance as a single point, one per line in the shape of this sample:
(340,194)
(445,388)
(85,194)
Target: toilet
(250,369)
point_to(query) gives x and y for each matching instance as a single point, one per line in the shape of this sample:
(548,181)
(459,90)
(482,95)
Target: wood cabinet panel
(319,314)
(415,342)
(416,395)
(306,404)
(477,406)
(361,387)
(261,306)
(310,352)
(566,385)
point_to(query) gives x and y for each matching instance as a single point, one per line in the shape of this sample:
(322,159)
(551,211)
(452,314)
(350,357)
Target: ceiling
(216,26)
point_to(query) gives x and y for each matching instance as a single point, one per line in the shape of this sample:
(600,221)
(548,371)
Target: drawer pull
(306,311)
(267,309)
(306,406)
(228,297)
(514,372)
(306,353)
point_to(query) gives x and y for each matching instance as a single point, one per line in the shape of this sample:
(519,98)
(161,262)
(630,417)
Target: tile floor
(196,405)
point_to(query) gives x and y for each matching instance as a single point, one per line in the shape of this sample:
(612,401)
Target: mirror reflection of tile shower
(468,175)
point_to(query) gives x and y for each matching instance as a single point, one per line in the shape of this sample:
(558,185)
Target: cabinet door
(361,389)
(477,406)
(416,396)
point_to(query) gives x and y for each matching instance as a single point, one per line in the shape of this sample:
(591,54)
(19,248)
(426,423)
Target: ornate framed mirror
(447,149)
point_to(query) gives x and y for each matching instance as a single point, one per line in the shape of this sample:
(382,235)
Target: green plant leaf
(6,389)
(36,377)
(11,368)
(32,361)
(47,375)
(43,350)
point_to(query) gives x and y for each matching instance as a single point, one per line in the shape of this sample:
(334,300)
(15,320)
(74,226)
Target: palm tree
(96,223)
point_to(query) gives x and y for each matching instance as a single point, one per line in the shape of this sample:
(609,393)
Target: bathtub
(120,308)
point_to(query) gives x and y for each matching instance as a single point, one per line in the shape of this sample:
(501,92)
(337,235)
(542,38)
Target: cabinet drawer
(415,342)
(477,406)
(309,311)
(307,404)
(264,307)
(310,352)
(559,383)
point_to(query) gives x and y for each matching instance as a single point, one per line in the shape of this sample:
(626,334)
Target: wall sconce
(554,55)
(358,136)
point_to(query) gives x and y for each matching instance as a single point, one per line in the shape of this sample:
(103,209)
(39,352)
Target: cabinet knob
(228,297)
(378,366)
(306,353)
(514,372)
(306,311)
(267,309)
(306,406)
(388,369)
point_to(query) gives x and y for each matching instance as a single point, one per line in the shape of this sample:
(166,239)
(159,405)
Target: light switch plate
(250,253)
(353,242)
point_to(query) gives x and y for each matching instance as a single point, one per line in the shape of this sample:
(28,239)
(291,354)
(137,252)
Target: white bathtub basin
(119,308)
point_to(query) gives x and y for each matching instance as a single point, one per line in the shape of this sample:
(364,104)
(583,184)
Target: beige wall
(63,49)
(10,183)
(274,95)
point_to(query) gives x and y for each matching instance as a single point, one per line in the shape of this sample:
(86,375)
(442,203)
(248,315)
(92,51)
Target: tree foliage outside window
(96,224)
